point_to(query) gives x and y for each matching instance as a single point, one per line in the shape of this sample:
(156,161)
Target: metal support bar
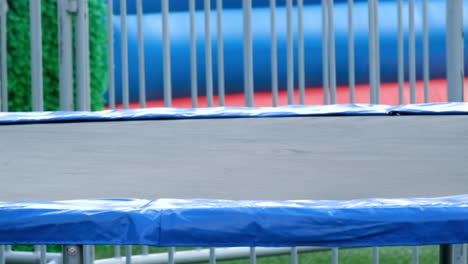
(36,55)
(64,9)
(128,255)
(219,19)
(208,55)
(294,256)
(412,53)
(274,53)
(3,57)
(453,254)
(301,55)
(455,50)
(212,255)
(193,56)
(110,53)
(141,56)
(73,254)
(335,256)
(124,52)
(325,76)
(401,66)
(332,49)
(253,256)
(415,255)
(375,255)
(374,77)
(248,53)
(426,52)
(166,54)
(82,57)
(351,67)
(290,53)
(2,254)
(170,255)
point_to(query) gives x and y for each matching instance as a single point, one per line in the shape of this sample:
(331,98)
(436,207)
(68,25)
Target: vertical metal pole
(455,51)
(274,53)
(248,53)
(2,254)
(412,53)
(166,54)
(325,75)
(170,255)
(377,52)
(375,255)
(335,256)
(3,57)
(88,254)
(415,255)
(294,258)
(144,250)
(212,255)
(453,254)
(290,53)
(193,56)
(65,54)
(372,52)
(82,57)
(124,53)
(332,63)
(401,69)
(36,55)
(110,52)
(426,52)
(300,22)
(219,8)
(141,56)
(253,256)
(351,69)
(208,57)
(116,251)
(73,254)
(128,255)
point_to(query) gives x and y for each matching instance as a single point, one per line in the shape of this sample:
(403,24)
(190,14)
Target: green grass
(390,255)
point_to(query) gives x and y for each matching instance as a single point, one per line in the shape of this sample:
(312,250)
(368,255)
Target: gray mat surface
(269,158)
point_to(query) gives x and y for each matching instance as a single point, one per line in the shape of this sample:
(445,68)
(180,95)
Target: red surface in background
(314,96)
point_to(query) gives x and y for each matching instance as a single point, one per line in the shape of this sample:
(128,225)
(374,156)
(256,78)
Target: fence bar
(412,53)
(144,250)
(377,51)
(294,256)
(110,52)
(332,63)
(351,67)
(401,65)
(212,255)
(82,57)
(253,256)
(300,22)
(375,255)
(65,55)
(36,55)
(3,57)
(2,254)
(128,255)
(193,56)
(335,259)
(208,55)
(166,54)
(274,54)
(455,53)
(170,255)
(141,56)
(325,75)
(425,52)
(219,17)
(415,255)
(248,56)
(124,51)
(116,251)
(88,254)
(372,52)
(290,53)
(73,254)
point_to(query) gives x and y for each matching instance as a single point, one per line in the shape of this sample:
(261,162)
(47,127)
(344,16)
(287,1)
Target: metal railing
(295,41)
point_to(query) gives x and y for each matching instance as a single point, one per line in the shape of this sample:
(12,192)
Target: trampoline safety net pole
(73,254)
(36,55)
(82,57)
(65,39)
(453,254)
(3,57)
(455,53)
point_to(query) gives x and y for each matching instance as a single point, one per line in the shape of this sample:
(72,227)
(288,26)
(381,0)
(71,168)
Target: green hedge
(19,65)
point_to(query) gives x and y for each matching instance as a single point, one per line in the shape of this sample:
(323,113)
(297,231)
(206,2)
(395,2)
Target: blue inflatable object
(356,223)
(233,112)
(233,49)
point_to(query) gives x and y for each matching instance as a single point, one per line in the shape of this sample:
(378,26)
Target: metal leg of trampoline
(73,254)
(453,254)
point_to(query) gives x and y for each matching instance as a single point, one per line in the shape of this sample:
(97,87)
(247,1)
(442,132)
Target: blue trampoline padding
(172,222)
(233,112)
